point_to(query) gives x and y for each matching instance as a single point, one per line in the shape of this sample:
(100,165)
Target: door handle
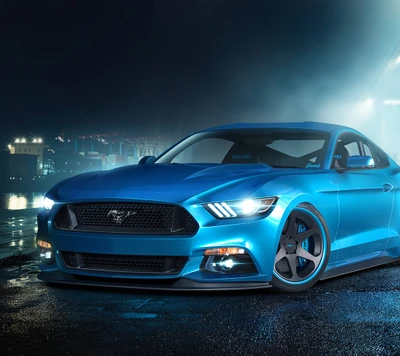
(387,187)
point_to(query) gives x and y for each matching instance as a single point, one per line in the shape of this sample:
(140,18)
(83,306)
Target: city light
(17,202)
(23,140)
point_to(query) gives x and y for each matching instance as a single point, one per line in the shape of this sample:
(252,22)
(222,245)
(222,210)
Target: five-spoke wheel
(303,250)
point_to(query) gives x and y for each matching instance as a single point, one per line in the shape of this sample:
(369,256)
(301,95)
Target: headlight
(48,203)
(240,208)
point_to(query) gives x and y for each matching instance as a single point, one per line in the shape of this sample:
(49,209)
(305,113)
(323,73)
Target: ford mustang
(239,206)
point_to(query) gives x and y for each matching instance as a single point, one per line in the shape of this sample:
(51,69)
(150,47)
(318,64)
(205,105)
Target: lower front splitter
(178,284)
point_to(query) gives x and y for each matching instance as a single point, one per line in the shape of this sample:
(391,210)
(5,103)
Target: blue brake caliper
(301,228)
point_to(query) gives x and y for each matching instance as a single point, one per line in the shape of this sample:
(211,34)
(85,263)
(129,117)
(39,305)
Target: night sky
(155,67)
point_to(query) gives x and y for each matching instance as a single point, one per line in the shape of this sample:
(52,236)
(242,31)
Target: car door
(365,203)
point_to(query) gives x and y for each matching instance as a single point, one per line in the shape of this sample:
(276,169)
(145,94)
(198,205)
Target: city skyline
(174,67)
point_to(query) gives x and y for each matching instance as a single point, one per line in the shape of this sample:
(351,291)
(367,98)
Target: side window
(353,149)
(347,145)
(380,157)
(367,151)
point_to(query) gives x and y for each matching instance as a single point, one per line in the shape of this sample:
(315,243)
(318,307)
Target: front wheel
(303,250)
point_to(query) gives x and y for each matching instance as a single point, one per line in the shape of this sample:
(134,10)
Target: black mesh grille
(133,218)
(124,263)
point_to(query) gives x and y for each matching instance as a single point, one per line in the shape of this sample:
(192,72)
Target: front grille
(124,263)
(130,218)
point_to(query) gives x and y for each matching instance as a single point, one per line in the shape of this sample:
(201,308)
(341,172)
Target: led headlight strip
(240,208)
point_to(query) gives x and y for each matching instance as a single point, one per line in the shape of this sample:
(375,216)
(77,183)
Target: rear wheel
(303,250)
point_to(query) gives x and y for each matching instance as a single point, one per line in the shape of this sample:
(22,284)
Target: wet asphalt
(358,314)
(17,232)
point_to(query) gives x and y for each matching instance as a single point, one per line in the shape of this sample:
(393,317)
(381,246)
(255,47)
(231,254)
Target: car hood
(169,182)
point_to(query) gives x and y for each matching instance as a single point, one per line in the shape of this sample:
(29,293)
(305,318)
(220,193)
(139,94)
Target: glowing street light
(17,140)
(23,140)
(34,140)
(366,107)
(369,103)
(39,140)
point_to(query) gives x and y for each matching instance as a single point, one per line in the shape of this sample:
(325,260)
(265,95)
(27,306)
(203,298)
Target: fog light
(227,260)
(46,255)
(226,263)
(45,252)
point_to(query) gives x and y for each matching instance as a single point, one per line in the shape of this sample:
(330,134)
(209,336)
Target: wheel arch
(307,200)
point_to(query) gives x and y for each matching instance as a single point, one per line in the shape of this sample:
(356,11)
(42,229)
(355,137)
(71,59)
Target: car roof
(305,125)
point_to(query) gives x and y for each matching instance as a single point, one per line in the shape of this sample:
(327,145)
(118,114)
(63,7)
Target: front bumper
(258,236)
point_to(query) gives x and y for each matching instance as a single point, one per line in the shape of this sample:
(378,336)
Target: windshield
(276,148)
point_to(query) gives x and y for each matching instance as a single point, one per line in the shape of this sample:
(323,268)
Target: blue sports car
(239,206)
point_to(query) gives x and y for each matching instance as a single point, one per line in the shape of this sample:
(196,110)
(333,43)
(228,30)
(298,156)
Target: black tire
(303,250)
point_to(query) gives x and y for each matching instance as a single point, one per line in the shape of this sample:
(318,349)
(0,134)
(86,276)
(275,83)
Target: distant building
(4,167)
(33,147)
(68,156)
(22,167)
(116,149)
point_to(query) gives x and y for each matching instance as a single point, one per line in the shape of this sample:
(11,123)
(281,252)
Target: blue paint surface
(362,219)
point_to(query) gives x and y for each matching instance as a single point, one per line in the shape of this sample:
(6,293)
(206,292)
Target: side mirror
(147,160)
(358,162)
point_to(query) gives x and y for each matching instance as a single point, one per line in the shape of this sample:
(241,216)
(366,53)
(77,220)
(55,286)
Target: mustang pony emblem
(120,215)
